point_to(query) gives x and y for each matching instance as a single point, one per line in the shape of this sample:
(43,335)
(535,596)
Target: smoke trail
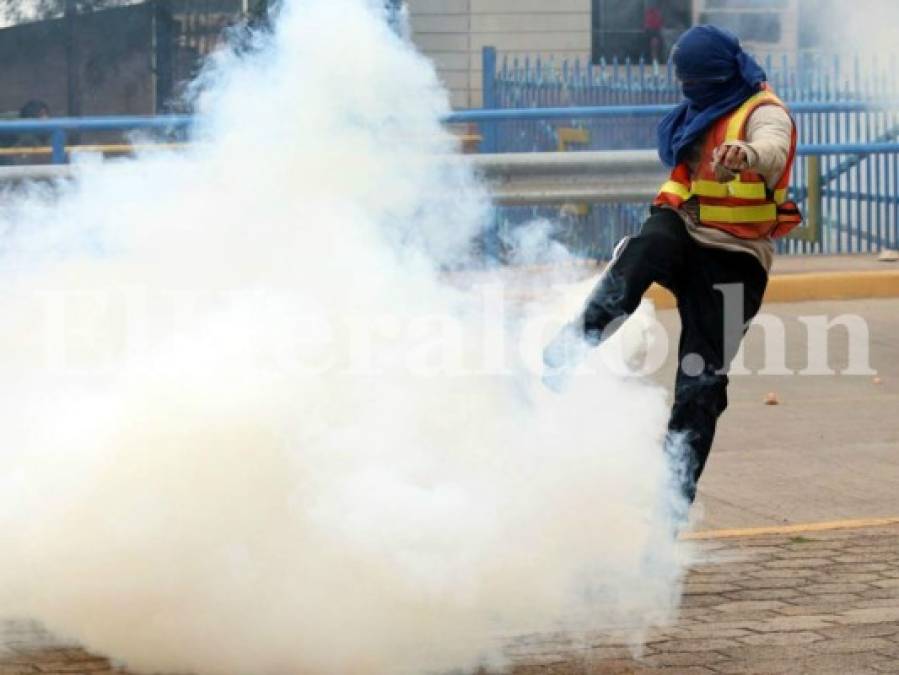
(251,428)
(865,29)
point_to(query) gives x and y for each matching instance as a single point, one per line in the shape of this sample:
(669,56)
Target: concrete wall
(452,32)
(115,65)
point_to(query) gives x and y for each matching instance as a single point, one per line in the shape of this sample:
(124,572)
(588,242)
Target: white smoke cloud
(251,428)
(866,28)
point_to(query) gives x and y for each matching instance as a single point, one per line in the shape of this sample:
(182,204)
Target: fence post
(492,243)
(813,176)
(488,89)
(58,141)
(811,232)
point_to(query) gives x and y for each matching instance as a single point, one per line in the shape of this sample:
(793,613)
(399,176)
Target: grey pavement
(828,451)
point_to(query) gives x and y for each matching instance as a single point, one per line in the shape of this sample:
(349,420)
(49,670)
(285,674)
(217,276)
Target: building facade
(453,33)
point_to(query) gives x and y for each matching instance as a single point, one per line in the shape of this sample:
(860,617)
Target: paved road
(829,451)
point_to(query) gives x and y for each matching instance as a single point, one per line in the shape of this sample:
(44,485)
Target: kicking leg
(710,337)
(656,254)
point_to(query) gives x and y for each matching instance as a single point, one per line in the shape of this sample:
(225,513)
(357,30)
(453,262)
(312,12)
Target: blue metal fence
(850,146)
(523,82)
(58,128)
(844,101)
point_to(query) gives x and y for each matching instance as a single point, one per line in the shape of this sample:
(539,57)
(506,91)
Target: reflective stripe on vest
(737,121)
(734,188)
(675,188)
(763,213)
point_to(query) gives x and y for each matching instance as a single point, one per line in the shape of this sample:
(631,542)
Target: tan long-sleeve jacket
(768,136)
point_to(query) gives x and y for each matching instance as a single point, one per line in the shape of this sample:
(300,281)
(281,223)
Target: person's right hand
(728,161)
(732,157)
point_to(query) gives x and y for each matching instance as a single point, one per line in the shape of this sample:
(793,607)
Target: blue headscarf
(717,76)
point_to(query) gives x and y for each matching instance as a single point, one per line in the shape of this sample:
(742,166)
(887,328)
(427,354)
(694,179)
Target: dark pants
(664,252)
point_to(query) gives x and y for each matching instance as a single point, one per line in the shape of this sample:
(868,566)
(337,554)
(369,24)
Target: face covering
(702,94)
(717,76)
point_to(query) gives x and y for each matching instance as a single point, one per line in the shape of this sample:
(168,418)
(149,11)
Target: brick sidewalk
(823,603)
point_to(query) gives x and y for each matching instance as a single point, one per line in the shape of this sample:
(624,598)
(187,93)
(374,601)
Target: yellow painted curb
(791,529)
(812,286)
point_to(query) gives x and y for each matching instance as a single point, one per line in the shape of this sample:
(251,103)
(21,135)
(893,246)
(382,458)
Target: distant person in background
(652,27)
(33,109)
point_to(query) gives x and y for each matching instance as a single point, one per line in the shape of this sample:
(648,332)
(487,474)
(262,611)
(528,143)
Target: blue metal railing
(860,180)
(58,128)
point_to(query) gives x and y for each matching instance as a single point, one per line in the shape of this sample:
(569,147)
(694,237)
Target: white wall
(453,32)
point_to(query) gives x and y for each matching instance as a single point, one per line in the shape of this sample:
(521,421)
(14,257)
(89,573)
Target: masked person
(708,238)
